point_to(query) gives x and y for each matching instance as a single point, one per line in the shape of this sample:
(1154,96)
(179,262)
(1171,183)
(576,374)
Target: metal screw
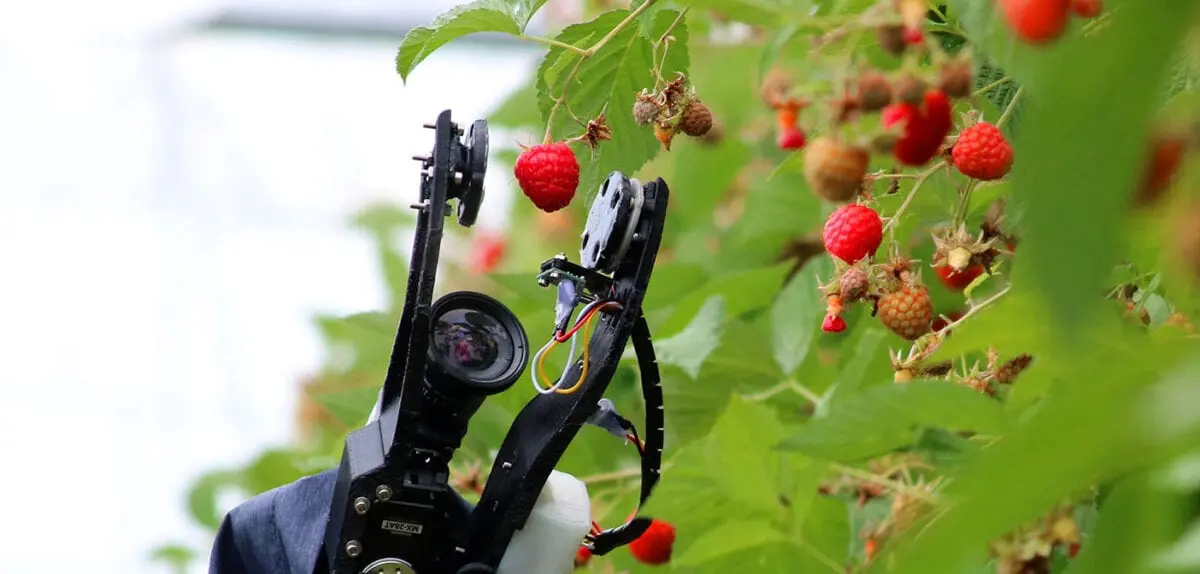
(543,282)
(506,465)
(430,126)
(362,505)
(353,548)
(458,177)
(421,158)
(383,492)
(561,256)
(419,206)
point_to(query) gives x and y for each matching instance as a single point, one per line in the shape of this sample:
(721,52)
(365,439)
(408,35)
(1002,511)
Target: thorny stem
(921,179)
(583,56)
(973,310)
(616,475)
(883,481)
(792,386)
(1012,105)
(964,198)
(991,86)
(666,46)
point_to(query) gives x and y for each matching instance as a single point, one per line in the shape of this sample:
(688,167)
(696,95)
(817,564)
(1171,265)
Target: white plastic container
(560,519)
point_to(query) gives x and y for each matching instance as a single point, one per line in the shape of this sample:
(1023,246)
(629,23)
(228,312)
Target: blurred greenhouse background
(176,178)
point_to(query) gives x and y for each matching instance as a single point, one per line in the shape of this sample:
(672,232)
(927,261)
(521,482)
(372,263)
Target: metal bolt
(362,505)
(421,158)
(506,465)
(430,126)
(384,492)
(419,206)
(562,256)
(458,177)
(543,282)
(353,548)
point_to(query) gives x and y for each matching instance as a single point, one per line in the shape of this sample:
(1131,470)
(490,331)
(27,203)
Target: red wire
(563,337)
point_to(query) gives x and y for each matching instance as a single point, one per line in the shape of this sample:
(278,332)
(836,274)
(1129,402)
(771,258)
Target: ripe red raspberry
(982,152)
(835,169)
(908,312)
(852,233)
(791,139)
(1087,8)
(582,556)
(654,546)
(925,128)
(486,252)
(1036,21)
(833,324)
(548,175)
(958,280)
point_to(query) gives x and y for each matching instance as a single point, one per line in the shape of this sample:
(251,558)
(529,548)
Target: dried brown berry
(956,79)
(775,87)
(853,284)
(874,91)
(696,120)
(892,38)
(1007,373)
(907,311)
(835,169)
(645,110)
(714,134)
(911,89)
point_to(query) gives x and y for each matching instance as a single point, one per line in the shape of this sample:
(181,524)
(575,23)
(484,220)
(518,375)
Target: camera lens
(477,342)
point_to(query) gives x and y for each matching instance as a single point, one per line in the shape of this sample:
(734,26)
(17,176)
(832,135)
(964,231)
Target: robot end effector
(393,509)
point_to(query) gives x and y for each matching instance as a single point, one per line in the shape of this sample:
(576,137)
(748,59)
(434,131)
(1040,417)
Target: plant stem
(974,309)
(991,86)
(554,43)
(615,475)
(1012,105)
(882,481)
(617,29)
(793,386)
(921,179)
(583,56)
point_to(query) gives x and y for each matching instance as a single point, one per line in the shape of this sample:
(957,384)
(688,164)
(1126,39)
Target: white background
(172,212)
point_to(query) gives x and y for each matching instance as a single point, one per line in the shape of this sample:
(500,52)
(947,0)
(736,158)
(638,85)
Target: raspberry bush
(926,299)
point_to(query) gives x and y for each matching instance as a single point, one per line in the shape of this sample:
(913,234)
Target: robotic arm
(393,510)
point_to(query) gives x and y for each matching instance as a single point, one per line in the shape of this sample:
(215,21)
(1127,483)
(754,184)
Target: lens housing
(476,345)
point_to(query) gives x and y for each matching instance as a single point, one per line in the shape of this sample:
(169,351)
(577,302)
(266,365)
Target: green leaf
(274,468)
(525,11)
(608,82)
(472,18)
(690,347)
(1077,192)
(883,418)
(991,37)
(1136,521)
(740,292)
(825,535)
(349,406)
(518,110)
(740,364)
(202,496)
(770,53)
(735,470)
(726,538)
(854,372)
(796,316)
(1106,421)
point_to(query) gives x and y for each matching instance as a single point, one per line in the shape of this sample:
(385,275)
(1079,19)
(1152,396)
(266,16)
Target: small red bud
(833,324)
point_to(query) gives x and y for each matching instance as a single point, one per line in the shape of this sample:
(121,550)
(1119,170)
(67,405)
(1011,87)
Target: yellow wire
(541,366)
(587,340)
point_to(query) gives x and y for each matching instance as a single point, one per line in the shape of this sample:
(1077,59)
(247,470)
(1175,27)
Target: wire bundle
(586,322)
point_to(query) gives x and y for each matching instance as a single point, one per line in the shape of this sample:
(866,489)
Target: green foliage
(607,83)
(788,446)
